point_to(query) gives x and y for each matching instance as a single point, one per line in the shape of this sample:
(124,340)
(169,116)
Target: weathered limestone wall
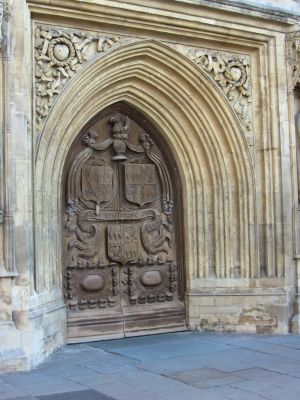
(219,84)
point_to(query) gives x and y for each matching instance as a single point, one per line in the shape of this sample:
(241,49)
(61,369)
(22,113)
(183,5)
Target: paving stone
(295,374)
(37,383)
(273,349)
(277,393)
(84,376)
(251,359)
(80,395)
(92,380)
(175,366)
(139,396)
(144,380)
(116,389)
(222,360)
(180,391)
(205,377)
(232,393)
(141,340)
(287,340)
(23,398)
(259,374)
(70,355)
(8,391)
(231,339)
(271,383)
(144,353)
(108,367)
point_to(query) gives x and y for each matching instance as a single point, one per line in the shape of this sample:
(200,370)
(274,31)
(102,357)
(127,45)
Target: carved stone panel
(120,233)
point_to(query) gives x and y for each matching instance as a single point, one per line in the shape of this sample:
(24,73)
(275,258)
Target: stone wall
(219,83)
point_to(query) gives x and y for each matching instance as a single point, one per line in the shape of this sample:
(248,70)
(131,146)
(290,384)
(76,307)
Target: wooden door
(122,238)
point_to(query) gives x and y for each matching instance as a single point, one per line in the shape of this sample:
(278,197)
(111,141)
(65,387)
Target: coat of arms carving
(122,243)
(97,183)
(140,183)
(119,243)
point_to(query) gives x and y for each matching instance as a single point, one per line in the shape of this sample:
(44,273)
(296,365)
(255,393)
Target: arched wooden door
(122,235)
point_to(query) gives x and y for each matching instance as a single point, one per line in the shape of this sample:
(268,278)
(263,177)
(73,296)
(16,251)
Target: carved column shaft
(6,167)
(1,139)
(293,79)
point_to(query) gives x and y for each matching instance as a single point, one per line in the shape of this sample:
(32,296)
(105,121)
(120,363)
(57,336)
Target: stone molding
(60,53)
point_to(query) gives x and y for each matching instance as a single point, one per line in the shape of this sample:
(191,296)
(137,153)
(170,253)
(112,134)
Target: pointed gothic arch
(200,129)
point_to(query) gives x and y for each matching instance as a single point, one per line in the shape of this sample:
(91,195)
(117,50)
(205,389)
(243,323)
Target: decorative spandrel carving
(232,74)
(119,218)
(59,54)
(292,46)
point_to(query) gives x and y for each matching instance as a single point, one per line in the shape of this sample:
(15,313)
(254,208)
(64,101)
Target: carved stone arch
(203,135)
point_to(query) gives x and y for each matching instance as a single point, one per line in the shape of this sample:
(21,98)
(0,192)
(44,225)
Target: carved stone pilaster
(292,48)
(1,19)
(59,54)
(292,54)
(6,166)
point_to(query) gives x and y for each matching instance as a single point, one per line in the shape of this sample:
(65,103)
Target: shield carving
(122,243)
(97,183)
(140,183)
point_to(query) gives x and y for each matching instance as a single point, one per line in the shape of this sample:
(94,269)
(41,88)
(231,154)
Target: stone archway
(204,137)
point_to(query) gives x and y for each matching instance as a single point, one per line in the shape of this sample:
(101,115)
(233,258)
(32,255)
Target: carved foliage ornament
(232,74)
(5,14)
(59,54)
(293,56)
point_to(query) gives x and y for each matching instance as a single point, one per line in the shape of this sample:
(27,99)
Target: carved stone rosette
(232,74)
(59,54)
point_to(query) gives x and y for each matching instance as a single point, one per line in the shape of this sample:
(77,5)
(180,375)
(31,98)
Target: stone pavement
(185,366)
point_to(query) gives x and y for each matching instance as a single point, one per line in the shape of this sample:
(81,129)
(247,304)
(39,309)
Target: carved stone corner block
(231,72)
(59,54)
(5,9)
(292,54)
(5,14)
